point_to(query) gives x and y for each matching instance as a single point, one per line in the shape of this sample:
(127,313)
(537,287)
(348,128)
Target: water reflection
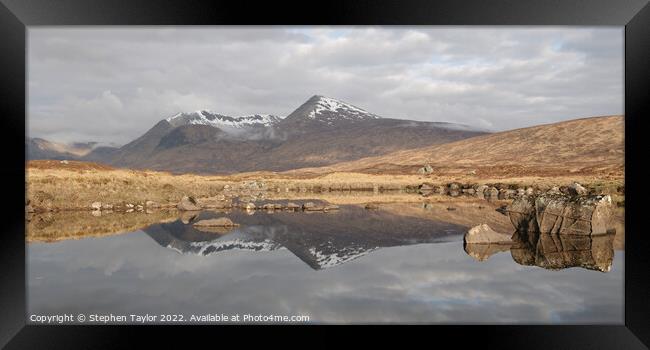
(321,240)
(553,251)
(396,264)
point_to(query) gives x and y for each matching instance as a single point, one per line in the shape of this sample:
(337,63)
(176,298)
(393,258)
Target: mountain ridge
(321,131)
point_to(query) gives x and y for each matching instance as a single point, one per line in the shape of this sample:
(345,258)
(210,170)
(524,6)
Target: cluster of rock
(308,206)
(482,191)
(189,203)
(146,206)
(555,212)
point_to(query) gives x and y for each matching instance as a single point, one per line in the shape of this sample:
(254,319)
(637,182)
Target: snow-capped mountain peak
(206,117)
(346,110)
(328,109)
(321,110)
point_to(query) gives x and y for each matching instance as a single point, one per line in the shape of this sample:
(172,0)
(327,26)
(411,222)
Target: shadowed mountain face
(320,132)
(321,240)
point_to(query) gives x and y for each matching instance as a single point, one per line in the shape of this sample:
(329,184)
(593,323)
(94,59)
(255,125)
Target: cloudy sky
(113,84)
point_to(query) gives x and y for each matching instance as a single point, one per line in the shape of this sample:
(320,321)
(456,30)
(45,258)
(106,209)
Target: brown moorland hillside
(588,146)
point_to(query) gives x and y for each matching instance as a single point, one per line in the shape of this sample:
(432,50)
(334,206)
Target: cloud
(113,84)
(436,282)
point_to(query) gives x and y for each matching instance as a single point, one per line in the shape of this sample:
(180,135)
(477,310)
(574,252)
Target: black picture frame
(17,15)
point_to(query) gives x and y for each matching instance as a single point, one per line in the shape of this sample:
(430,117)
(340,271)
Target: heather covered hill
(588,146)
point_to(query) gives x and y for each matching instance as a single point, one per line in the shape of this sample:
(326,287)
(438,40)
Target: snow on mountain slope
(339,108)
(205,117)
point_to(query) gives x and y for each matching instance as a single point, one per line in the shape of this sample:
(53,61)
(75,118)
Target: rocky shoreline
(249,193)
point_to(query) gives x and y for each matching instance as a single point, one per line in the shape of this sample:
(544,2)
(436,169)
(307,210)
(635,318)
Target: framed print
(449,168)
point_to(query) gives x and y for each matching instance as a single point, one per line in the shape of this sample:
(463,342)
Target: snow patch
(205,117)
(342,109)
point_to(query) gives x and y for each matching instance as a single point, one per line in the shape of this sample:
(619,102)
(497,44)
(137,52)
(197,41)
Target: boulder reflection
(553,251)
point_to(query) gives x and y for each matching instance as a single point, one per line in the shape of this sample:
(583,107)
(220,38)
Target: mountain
(327,242)
(322,131)
(587,145)
(38,148)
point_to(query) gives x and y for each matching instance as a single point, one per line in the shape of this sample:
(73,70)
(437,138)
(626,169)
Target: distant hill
(322,131)
(588,145)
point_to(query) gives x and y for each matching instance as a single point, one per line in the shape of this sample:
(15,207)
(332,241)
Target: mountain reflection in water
(320,240)
(401,263)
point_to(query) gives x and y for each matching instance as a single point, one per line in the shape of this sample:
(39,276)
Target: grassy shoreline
(58,186)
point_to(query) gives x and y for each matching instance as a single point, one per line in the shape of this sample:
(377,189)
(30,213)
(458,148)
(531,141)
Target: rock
(268,206)
(107,206)
(522,213)
(472,172)
(440,190)
(554,190)
(219,222)
(483,234)
(530,191)
(557,213)
(129,205)
(469,191)
(491,194)
(64,162)
(371,206)
(576,189)
(188,203)
(454,186)
(506,194)
(480,191)
(293,206)
(96,205)
(250,206)
(139,207)
(331,207)
(308,205)
(451,208)
(427,169)
(96,213)
(151,204)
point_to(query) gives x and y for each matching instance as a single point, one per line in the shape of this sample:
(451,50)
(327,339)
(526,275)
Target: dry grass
(52,227)
(76,185)
(587,147)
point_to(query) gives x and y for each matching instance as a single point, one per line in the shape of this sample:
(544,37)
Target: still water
(398,264)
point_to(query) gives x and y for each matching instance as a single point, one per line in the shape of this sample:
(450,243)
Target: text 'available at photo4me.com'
(208,318)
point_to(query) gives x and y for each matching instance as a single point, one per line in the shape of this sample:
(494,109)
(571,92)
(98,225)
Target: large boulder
(557,213)
(188,203)
(484,234)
